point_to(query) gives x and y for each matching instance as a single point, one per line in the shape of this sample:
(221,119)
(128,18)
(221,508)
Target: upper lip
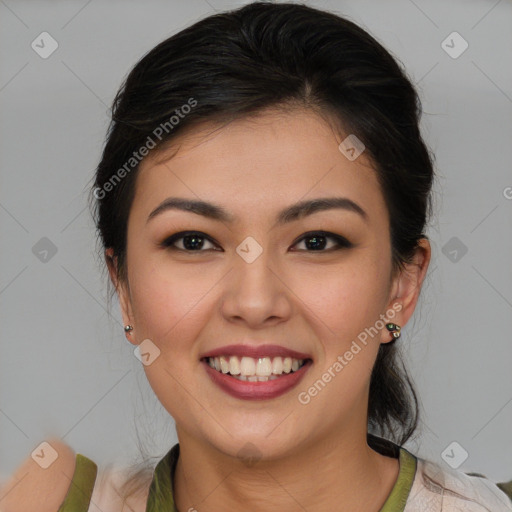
(255,351)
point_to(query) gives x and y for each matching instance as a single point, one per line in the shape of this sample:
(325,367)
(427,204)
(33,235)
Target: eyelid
(168,242)
(341,241)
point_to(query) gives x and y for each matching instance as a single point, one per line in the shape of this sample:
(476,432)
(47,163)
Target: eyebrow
(291,213)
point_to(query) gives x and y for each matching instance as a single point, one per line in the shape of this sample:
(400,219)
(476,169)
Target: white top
(437,489)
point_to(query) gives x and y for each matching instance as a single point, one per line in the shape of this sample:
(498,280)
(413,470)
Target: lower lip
(246,390)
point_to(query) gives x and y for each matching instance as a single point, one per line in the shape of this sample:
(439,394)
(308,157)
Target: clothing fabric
(421,486)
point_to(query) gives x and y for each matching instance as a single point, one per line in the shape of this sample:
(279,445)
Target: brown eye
(192,241)
(317,241)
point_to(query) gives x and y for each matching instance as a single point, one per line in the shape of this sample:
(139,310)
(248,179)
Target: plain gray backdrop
(66,369)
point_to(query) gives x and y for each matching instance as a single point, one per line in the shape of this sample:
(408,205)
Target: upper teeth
(249,366)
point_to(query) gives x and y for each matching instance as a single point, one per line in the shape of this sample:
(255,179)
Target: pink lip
(255,351)
(246,390)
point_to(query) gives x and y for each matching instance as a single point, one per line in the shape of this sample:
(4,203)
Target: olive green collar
(80,490)
(161,491)
(398,497)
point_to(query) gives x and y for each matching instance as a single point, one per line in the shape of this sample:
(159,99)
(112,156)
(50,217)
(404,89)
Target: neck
(341,473)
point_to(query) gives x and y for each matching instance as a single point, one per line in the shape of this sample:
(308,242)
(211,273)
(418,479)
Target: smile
(252,369)
(247,381)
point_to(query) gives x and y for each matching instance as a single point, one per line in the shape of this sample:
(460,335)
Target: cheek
(156,301)
(169,310)
(343,299)
(344,303)
(169,302)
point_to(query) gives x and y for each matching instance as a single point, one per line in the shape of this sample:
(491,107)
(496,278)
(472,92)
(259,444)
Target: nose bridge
(255,292)
(254,262)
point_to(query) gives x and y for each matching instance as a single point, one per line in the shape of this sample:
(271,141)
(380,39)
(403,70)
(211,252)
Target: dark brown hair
(265,55)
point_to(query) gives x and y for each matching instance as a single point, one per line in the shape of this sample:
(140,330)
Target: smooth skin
(32,487)
(311,457)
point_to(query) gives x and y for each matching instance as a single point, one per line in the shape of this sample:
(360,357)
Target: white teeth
(247,366)
(234,365)
(277,365)
(224,365)
(264,367)
(255,370)
(260,379)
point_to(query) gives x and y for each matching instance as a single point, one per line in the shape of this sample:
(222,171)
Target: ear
(406,287)
(123,293)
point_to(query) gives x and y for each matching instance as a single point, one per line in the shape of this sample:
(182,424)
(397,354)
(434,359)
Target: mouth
(250,369)
(261,378)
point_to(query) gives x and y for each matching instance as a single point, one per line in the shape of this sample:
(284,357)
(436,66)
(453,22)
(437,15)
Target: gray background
(66,368)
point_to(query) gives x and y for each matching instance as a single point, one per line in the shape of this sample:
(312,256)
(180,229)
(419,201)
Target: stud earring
(128,329)
(394,329)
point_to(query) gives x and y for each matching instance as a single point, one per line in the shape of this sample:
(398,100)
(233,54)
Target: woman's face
(259,279)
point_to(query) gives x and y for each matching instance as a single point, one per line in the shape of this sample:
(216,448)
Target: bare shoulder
(40,482)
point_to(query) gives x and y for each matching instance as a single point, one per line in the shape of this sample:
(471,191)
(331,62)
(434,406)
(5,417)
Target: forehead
(255,163)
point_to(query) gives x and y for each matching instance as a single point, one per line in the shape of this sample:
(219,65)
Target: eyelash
(341,242)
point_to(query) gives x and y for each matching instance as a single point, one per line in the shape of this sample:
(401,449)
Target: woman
(262,200)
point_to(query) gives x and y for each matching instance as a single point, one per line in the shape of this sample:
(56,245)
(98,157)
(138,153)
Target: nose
(256,293)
